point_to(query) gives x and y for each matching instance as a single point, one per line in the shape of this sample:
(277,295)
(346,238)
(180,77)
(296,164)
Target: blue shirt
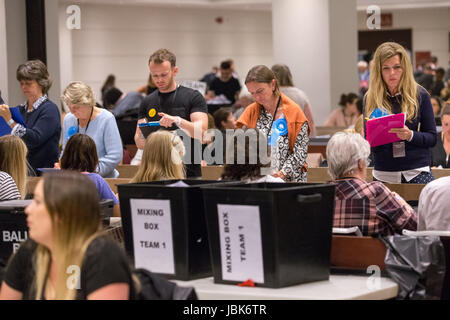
(41,134)
(104,191)
(131,102)
(103,130)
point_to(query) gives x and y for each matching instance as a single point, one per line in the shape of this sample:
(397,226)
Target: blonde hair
(376,96)
(161,158)
(359,125)
(78,92)
(72,202)
(13,160)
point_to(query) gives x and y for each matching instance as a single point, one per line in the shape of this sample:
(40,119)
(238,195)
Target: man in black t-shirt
(226,85)
(174,107)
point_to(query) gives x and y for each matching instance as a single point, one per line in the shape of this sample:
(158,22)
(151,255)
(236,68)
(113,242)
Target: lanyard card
(398,149)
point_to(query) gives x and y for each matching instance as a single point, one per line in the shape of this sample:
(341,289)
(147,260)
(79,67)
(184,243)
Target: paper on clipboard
(378,129)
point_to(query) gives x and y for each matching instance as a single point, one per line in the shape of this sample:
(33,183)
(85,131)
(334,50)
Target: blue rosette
(279,128)
(72,130)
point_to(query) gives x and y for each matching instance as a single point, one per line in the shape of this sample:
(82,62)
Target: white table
(338,287)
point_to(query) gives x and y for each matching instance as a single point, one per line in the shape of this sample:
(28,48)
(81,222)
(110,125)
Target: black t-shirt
(104,263)
(181,102)
(228,88)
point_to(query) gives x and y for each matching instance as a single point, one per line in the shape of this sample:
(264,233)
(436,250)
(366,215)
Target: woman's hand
(279,174)
(402,133)
(5,112)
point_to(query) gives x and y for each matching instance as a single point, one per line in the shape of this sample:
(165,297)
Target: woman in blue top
(97,123)
(393,90)
(41,126)
(81,155)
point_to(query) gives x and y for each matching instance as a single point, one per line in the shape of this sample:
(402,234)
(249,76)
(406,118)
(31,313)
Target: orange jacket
(294,115)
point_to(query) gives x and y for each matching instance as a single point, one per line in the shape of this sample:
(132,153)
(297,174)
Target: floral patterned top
(282,159)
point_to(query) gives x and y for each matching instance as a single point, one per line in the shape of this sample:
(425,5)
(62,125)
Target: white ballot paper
(152,235)
(240,243)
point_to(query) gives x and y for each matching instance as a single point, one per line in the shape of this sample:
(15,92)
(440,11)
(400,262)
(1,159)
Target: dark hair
(262,74)
(35,70)
(441,71)
(236,171)
(80,154)
(220,115)
(439,102)
(112,95)
(347,98)
(359,105)
(161,55)
(109,82)
(283,74)
(225,65)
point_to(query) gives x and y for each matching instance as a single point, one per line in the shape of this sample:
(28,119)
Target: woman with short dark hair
(80,155)
(42,129)
(347,114)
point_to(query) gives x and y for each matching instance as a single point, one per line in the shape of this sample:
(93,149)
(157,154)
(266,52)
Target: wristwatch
(178,121)
(11,121)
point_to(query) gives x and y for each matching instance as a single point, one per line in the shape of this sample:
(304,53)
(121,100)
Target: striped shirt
(8,188)
(372,207)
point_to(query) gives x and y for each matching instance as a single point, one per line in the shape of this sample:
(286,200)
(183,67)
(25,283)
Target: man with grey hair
(371,206)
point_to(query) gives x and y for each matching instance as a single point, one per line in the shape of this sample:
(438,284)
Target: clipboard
(378,129)
(16,116)
(148,127)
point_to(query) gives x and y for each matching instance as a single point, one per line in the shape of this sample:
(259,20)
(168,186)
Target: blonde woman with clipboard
(393,90)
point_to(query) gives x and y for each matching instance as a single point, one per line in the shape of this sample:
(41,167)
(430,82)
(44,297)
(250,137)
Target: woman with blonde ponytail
(66,257)
(162,158)
(393,90)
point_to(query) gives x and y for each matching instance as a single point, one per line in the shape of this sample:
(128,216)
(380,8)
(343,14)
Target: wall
(16,50)
(112,40)
(3,53)
(430,29)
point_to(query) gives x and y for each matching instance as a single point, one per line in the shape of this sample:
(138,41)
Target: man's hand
(402,133)
(167,120)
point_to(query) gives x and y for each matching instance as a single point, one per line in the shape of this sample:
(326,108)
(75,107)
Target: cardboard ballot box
(13,227)
(275,234)
(165,229)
